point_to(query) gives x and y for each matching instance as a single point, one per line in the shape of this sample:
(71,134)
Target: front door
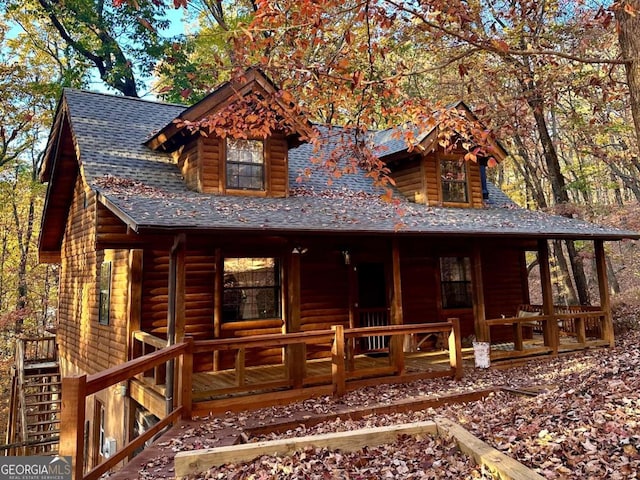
(372,308)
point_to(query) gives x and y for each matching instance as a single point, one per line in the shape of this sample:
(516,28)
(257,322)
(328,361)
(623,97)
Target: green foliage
(122,42)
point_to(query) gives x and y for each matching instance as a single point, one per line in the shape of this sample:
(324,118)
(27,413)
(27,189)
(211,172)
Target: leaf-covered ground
(583,423)
(408,458)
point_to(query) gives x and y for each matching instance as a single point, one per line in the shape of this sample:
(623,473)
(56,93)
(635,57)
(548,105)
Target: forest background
(557,82)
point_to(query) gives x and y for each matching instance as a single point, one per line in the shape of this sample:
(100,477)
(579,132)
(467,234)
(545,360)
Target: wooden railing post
(603,287)
(72,420)
(337,360)
(397,341)
(551,331)
(186,379)
(455,347)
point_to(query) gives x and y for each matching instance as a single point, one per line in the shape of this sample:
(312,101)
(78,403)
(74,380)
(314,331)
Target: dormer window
(245,164)
(453,180)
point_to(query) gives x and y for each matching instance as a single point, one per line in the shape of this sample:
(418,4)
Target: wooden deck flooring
(209,385)
(226,384)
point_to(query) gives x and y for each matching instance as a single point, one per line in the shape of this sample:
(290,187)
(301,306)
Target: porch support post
(477,285)
(603,286)
(218,284)
(397,341)
(176,309)
(295,353)
(134,301)
(551,334)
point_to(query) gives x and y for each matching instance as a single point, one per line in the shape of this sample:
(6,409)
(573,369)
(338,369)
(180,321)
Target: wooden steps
(36,399)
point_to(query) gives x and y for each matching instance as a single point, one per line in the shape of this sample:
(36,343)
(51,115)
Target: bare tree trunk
(629,39)
(558,186)
(579,277)
(524,169)
(563,275)
(629,181)
(616,191)
(25,232)
(3,257)
(613,280)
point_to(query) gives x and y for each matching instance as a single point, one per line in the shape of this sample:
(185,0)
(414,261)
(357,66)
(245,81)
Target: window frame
(468,281)
(459,159)
(262,166)
(244,292)
(104,293)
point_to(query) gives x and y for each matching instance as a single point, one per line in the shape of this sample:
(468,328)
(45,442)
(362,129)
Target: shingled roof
(145,189)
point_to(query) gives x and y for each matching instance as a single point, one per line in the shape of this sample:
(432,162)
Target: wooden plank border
(189,463)
(499,464)
(193,462)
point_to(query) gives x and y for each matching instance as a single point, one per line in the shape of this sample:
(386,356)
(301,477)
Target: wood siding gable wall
(418,179)
(202,163)
(84,343)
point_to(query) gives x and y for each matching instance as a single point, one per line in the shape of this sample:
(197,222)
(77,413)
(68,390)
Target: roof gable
(253,81)
(391,141)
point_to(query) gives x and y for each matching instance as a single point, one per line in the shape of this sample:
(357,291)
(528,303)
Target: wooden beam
(295,357)
(194,462)
(338,361)
(455,348)
(181,280)
(148,398)
(186,379)
(501,465)
(479,312)
(175,311)
(397,341)
(603,287)
(134,303)
(551,332)
(218,285)
(72,420)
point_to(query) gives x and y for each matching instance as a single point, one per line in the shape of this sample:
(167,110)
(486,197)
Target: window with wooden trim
(455,282)
(245,164)
(453,180)
(105,293)
(252,289)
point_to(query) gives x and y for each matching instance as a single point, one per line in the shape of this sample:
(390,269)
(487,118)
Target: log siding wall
(84,343)
(202,165)
(419,179)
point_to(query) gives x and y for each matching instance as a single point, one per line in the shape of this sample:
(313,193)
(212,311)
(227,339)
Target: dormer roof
(391,142)
(251,81)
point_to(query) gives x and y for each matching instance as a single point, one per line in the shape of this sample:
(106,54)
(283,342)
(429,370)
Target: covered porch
(352,310)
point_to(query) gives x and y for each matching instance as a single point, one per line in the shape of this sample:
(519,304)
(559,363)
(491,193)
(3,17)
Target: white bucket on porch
(482,354)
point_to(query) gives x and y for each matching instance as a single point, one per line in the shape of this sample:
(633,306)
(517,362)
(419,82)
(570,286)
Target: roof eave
(143,228)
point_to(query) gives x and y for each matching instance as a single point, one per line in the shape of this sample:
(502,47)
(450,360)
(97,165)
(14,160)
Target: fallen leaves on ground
(409,457)
(583,424)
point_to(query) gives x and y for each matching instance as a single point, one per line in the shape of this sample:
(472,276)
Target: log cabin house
(163,235)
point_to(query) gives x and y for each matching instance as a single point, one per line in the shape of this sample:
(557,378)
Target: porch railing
(76,389)
(373,317)
(298,374)
(585,325)
(39,349)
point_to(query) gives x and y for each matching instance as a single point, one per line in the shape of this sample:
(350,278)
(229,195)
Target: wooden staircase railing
(34,416)
(76,389)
